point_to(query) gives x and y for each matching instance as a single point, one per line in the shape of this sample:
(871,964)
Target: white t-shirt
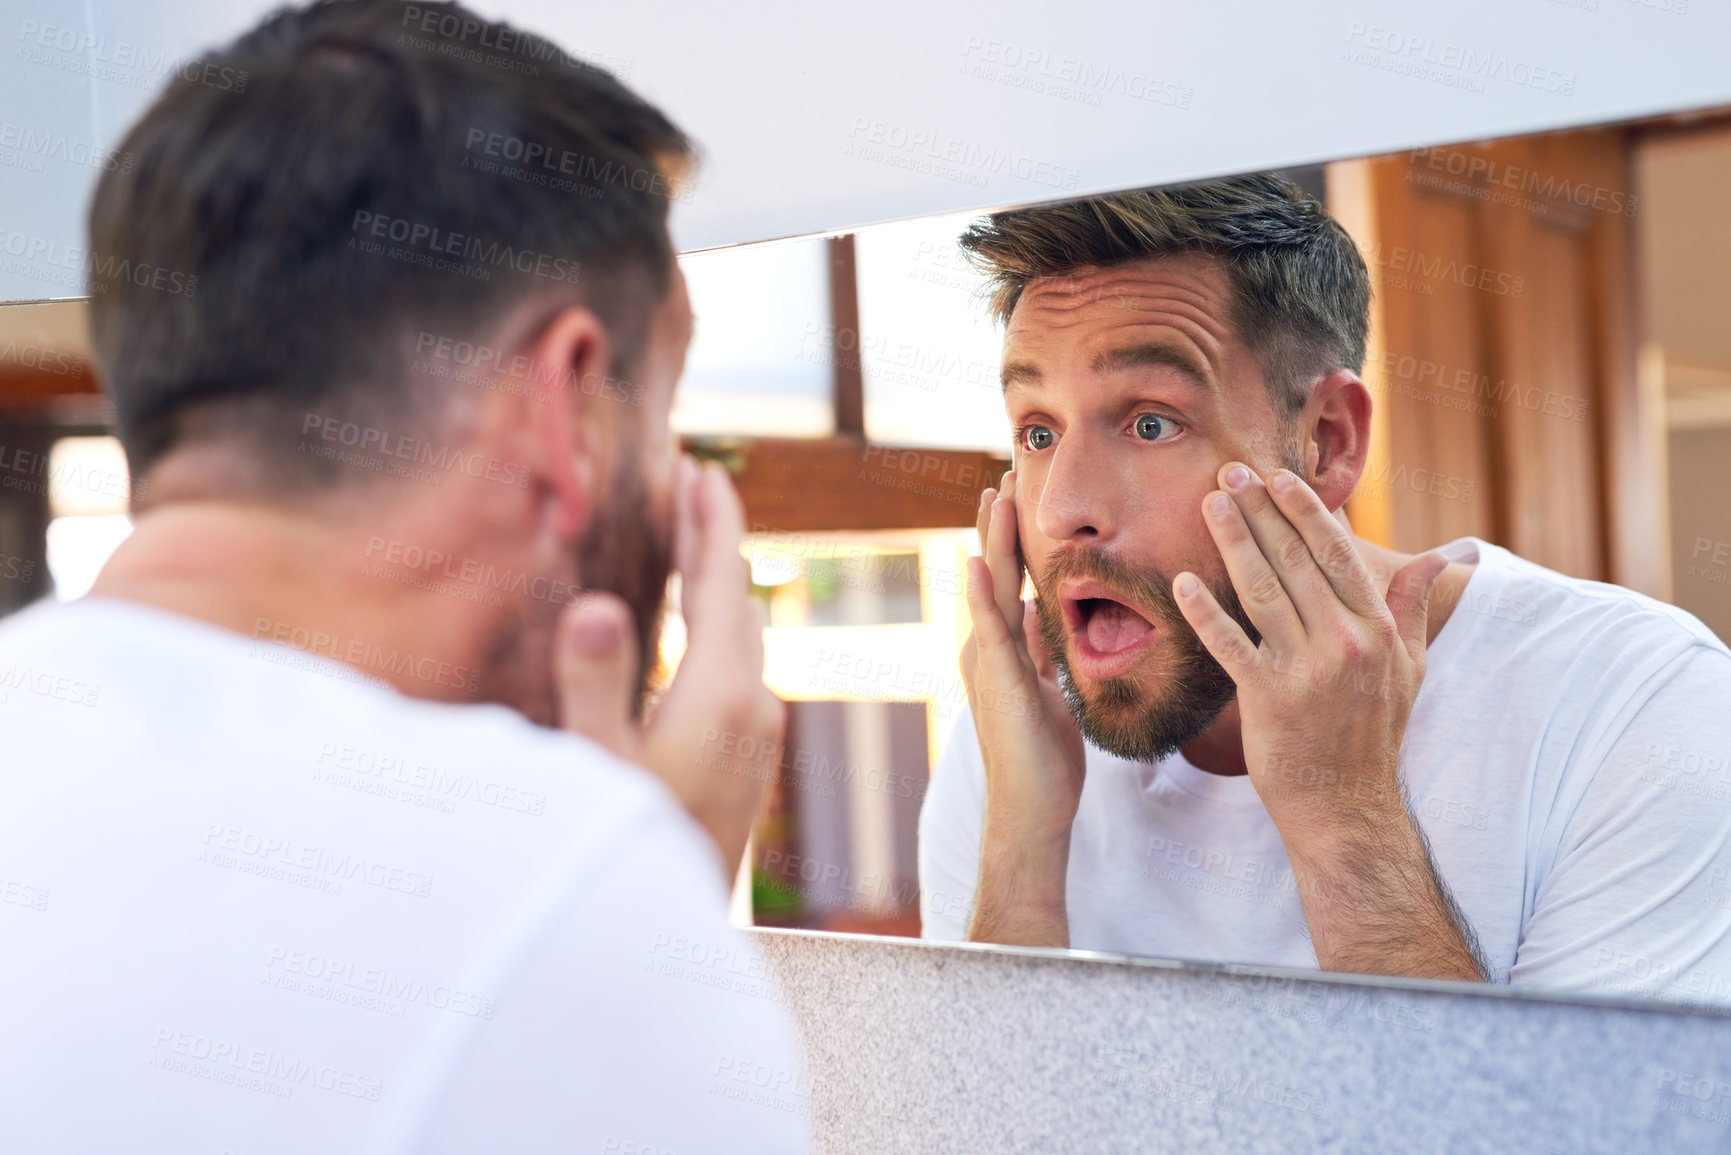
(1568,756)
(253,901)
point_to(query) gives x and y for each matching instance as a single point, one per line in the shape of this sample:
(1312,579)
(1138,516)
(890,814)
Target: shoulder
(1519,604)
(162,681)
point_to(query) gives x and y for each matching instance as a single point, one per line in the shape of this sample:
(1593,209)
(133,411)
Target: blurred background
(1550,358)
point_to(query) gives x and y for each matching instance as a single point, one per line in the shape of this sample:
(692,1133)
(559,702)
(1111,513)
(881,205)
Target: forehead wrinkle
(1175,322)
(1194,289)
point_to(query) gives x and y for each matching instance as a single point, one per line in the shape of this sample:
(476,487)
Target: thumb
(1409,598)
(1036,643)
(595,671)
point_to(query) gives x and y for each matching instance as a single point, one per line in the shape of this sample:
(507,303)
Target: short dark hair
(348,174)
(1301,292)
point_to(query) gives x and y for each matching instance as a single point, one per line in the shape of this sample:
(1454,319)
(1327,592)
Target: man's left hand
(1323,703)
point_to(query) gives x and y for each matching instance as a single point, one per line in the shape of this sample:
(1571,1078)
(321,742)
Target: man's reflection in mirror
(1224,727)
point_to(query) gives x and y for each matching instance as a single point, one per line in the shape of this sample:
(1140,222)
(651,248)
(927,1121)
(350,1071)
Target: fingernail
(1238,477)
(595,634)
(1219,504)
(1281,481)
(1186,585)
(1459,551)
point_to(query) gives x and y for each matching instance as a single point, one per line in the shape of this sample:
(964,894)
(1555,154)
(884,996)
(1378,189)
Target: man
(296,860)
(1262,778)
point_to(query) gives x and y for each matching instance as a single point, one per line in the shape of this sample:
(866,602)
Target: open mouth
(1103,625)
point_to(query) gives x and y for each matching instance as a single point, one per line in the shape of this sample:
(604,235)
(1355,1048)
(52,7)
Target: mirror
(1550,372)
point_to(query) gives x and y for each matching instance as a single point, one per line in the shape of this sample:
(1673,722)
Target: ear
(570,350)
(1334,432)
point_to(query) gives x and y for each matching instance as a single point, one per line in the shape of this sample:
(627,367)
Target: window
(88,489)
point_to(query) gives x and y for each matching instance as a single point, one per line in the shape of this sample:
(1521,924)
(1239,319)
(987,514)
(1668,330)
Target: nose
(1076,500)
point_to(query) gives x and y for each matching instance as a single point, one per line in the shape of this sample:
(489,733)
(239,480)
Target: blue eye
(1037,437)
(1150,427)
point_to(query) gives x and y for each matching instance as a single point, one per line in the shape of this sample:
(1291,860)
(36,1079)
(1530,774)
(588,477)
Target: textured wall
(924,1048)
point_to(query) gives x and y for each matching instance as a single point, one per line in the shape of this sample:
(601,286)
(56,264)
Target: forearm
(1020,897)
(1375,903)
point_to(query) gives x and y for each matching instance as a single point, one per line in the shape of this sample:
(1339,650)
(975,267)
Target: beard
(1117,714)
(627,550)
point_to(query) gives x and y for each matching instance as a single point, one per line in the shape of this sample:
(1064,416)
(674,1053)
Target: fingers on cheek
(1222,516)
(1003,527)
(1193,598)
(1218,633)
(979,582)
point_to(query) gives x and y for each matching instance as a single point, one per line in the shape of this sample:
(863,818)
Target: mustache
(1145,586)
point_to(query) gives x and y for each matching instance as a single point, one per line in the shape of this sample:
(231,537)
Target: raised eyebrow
(1018,373)
(1137,356)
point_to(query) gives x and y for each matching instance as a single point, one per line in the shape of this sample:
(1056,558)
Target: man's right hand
(1032,751)
(715,735)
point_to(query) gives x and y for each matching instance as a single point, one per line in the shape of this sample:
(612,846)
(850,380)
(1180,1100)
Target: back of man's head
(357,175)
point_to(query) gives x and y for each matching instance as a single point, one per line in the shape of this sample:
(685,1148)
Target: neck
(322,583)
(1220,748)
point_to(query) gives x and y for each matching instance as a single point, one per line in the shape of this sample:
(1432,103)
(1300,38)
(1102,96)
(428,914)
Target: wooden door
(1501,355)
